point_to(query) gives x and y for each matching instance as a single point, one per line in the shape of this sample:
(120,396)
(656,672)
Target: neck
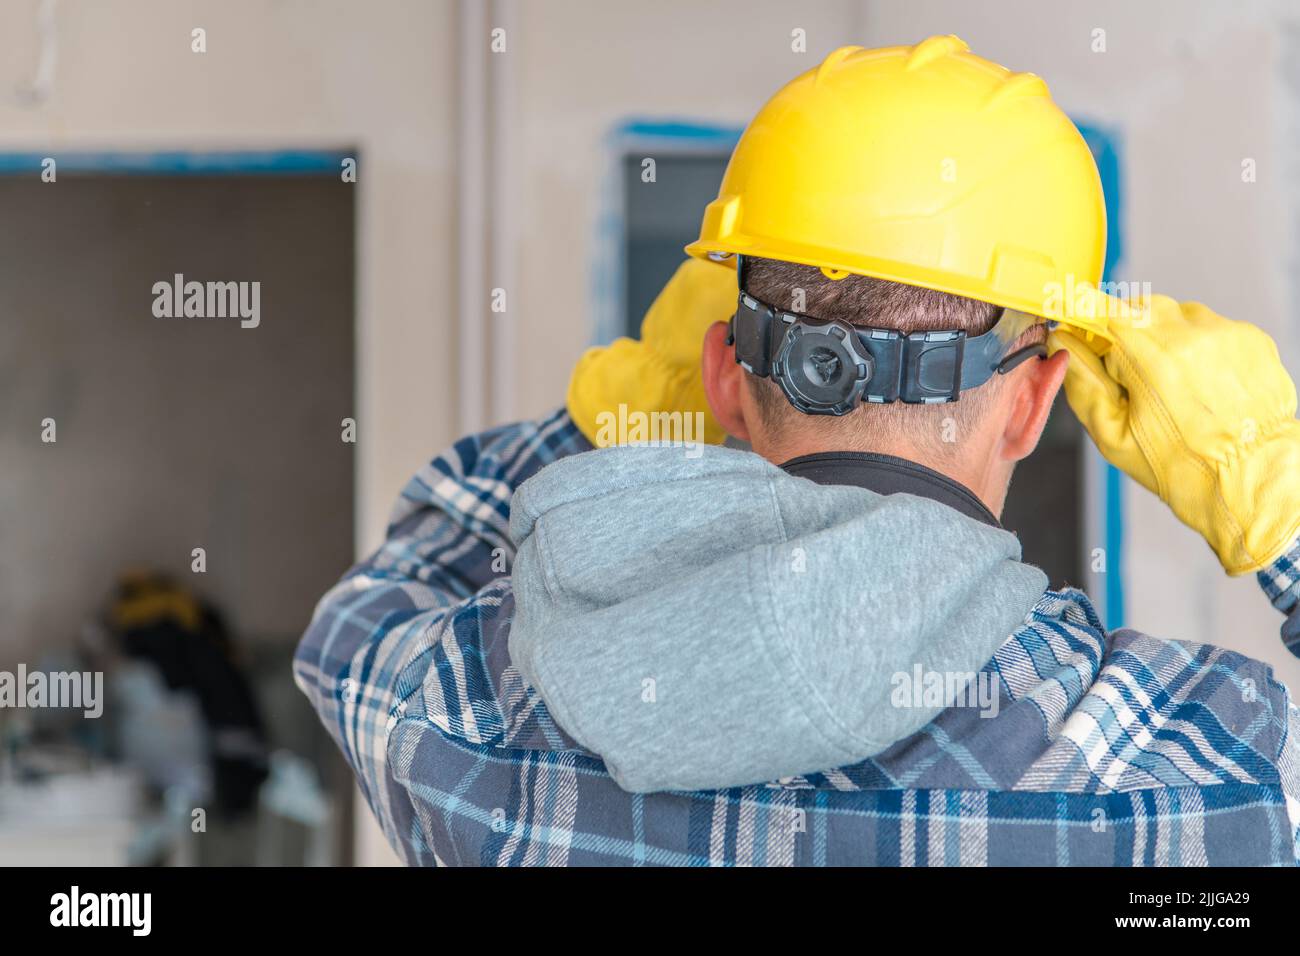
(979,473)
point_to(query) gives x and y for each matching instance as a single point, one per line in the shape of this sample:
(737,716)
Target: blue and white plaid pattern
(1107,749)
(1281,582)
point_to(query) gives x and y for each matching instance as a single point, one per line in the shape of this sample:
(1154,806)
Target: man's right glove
(1198,409)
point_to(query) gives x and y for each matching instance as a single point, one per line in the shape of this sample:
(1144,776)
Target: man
(826,650)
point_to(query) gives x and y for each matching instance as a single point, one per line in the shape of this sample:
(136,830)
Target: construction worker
(826,650)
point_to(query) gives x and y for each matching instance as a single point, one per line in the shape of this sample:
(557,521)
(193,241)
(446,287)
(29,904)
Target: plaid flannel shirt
(1107,749)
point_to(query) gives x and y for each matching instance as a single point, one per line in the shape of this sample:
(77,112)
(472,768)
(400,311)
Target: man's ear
(723,380)
(1036,383)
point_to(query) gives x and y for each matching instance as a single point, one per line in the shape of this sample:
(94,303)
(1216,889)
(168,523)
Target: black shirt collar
(887,475)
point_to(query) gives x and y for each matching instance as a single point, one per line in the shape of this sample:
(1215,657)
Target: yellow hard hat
(925,165)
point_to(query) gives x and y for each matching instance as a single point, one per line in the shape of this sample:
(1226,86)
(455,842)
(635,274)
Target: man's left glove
(1200,410)
(661,371)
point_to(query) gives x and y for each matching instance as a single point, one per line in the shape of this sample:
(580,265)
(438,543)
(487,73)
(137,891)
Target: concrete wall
(172,433)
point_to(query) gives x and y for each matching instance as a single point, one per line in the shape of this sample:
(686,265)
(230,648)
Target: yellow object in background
(145,599)
(1198,409)
(660,372)
(925,165)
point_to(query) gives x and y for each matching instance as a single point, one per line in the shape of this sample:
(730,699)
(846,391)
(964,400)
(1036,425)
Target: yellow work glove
(660,372)
(1198,409)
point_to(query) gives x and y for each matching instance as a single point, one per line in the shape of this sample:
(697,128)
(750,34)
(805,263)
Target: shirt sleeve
(1288,766)
(427,615)
(1281,582)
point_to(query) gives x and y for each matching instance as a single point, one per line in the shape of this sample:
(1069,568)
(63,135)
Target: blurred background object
(497,145)
(179,650)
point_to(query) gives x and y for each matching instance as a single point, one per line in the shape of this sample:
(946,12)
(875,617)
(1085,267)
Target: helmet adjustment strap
(827,367)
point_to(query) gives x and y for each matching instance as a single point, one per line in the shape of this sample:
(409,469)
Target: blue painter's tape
(1105,145)
(678,132)
(1114,547)
(181,163)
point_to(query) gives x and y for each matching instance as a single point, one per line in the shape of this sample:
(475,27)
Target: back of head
(920,189)
(930,432)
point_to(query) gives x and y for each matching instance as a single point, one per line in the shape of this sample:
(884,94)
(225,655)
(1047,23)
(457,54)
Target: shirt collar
(888,475)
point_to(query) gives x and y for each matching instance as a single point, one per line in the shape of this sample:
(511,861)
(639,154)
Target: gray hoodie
(666,602)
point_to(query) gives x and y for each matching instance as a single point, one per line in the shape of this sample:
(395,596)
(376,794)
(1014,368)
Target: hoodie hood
(706,620)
